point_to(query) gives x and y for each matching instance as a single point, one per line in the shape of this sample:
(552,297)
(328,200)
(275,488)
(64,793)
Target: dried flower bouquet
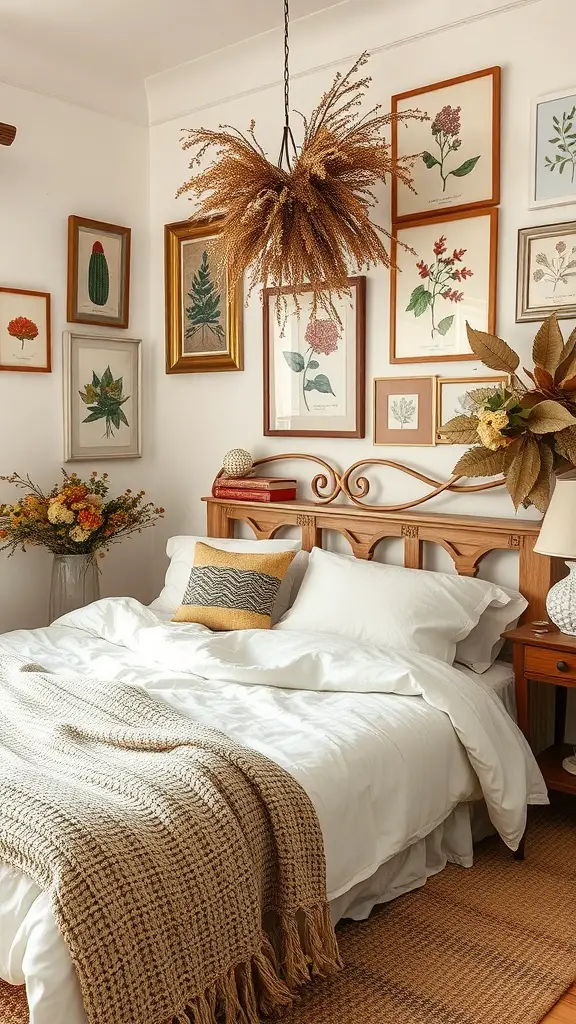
(77,518)
(527,432)
(310,223)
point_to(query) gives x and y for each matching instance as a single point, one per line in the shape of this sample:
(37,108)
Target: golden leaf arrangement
(306,225)
(527,432)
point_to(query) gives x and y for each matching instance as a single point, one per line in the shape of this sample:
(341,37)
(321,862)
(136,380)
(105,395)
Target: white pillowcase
(180,551)
(482,646)
(389,606)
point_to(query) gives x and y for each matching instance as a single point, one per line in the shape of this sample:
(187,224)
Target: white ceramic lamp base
(561,602)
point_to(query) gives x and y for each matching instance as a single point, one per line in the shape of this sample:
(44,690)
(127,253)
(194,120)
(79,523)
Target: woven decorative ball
(237,462)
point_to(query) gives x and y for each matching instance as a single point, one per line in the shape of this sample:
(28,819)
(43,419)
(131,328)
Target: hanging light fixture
(306,219)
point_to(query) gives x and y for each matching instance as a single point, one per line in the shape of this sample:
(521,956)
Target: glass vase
(75,583)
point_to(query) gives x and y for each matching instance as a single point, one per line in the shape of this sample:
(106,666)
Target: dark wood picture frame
(73,314)
(492,200)
(492,214)
(359,284)
(33,369)
(231,358)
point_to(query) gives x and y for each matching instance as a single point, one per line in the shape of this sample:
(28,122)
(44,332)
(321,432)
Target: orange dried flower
(90,518)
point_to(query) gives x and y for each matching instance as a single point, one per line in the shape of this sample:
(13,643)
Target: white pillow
(482,646)
(410,609)
(180,551)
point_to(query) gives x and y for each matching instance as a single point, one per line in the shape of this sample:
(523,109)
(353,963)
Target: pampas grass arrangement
(310,223)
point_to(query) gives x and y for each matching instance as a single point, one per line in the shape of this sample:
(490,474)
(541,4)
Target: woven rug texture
(494,944)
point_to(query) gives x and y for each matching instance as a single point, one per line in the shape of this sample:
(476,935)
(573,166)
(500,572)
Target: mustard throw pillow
(232,590)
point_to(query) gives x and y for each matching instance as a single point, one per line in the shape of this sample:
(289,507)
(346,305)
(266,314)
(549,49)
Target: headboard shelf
(467,539)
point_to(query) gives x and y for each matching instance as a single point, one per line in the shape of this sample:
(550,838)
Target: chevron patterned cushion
(232,590)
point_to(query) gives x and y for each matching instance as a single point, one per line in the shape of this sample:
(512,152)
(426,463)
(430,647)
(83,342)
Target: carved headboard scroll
(467,539)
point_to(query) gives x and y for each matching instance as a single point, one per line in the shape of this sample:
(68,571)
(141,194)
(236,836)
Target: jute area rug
(495,944)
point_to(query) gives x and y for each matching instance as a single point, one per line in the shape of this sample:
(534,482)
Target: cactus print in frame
(98,273)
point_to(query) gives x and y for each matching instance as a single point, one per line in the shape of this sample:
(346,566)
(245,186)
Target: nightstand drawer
(544,662)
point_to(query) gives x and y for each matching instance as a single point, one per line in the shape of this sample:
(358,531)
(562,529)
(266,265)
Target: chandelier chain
(286,64)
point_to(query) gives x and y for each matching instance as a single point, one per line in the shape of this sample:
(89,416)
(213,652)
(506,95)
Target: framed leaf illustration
(98,273)
(314,374)
(203,318)
(459,145)
(546,280)
(102,383)
(445,275)
(405,411)
(553,148)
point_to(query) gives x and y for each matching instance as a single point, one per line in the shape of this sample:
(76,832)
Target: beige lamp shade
(558,531)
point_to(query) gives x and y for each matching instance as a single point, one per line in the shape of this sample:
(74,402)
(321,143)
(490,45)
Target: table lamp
(558,538)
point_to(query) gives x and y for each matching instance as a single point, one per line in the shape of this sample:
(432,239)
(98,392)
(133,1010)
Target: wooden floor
(565,1011)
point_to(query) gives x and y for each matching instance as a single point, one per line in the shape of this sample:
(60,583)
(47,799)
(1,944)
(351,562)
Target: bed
(391,775)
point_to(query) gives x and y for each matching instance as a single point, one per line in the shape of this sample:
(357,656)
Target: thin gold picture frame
(433,413)
(475,381)
(176,362)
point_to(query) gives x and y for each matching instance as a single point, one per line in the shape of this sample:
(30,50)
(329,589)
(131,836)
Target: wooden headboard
(467,539)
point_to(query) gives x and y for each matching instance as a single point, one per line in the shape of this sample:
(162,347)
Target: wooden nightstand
(546,658)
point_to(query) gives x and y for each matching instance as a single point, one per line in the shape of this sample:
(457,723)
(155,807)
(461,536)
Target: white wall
(213,412)
(65,160)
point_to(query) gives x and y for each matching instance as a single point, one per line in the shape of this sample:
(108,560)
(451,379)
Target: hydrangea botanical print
(23,329)
(564,141)
(441,275)
(557,269)
(446,128)
(104,398)
(322,339)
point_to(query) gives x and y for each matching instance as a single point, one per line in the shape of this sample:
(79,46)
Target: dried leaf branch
(526,432)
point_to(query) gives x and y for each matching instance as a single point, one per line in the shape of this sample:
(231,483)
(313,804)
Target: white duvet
(387,744)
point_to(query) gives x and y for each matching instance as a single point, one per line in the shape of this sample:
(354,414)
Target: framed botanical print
(203,316)
(25,330)
(405,411)
(102,384)
(553,150)
(98,273)
(445,276)
(314,366)
(452,397)
(546,280)
(458,166)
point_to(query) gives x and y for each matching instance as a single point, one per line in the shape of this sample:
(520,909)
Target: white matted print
(459,146)
(453,397)
(546,272)
(102,381)
(314,365)
(25,330)
(553,150)
(403,412)
(449,278)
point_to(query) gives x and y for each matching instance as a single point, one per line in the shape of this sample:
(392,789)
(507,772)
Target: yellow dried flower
(78,535)
(498,419)
(491,437)
(58,513)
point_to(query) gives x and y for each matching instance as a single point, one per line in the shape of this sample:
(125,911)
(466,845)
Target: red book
(237,494)
(255,483)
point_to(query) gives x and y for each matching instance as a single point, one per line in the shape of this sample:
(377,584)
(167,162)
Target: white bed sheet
(383,771)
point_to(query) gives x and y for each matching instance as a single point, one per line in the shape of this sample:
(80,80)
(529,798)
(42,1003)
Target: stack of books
(255,488)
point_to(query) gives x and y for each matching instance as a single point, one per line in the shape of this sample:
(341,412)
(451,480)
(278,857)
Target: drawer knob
(563,666)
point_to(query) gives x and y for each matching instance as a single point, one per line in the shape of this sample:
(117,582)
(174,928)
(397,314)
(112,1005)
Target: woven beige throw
(163,845)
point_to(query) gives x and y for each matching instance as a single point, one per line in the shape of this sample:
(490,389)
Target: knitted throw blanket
(164,846)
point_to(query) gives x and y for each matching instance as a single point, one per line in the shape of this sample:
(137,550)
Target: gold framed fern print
(203,316)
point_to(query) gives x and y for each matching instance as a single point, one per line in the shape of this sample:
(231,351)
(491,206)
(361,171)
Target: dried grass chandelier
(306,219)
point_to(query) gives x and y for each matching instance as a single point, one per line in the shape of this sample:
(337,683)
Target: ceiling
(66,47)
